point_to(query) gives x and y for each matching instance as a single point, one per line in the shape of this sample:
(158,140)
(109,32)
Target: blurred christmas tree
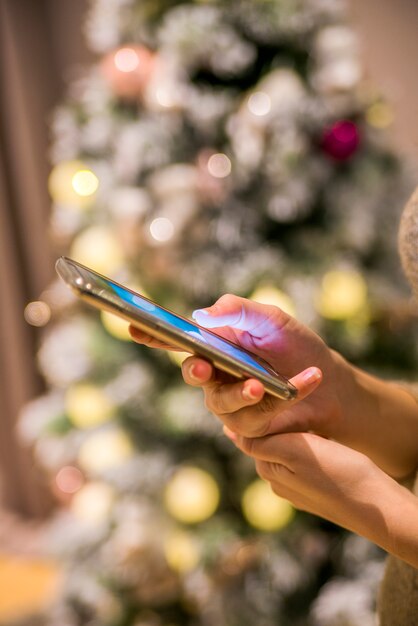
(214,147)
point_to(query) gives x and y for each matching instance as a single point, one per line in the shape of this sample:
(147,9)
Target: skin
(339,448)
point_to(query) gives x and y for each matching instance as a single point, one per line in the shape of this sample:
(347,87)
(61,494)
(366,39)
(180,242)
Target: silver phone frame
(79,278)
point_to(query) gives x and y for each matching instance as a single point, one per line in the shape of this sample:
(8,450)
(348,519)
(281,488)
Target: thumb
(258,319)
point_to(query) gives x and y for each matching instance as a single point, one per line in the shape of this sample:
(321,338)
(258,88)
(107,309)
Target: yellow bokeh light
(104,450)
(93,503)
(191,495)
(263,509)
(97,248)
(268,294)
(87,406)
(116,326)
(343,295)
(85,183)
(379,115)
(182,551)
(67,179)
(178,357)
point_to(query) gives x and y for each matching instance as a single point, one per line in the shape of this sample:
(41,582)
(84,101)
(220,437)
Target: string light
(126,60)
(161,229)
(259,103)
(85,183)
(219,165)
(37,313)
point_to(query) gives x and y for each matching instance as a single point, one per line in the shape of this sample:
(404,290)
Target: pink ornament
(128,70)
(341,140)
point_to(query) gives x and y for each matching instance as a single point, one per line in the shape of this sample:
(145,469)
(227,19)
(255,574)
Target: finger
(246,409)
(197,372)
(258,319)
(139,336)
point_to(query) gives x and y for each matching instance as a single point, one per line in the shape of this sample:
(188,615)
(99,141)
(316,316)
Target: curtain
(30,84)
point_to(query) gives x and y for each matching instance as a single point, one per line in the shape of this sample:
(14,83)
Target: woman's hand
(339,484)
(349,405)
(289,346)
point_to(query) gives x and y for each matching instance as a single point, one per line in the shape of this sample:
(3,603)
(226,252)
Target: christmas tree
(212,147)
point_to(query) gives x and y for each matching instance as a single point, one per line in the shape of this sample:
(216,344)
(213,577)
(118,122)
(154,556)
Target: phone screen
(184,325)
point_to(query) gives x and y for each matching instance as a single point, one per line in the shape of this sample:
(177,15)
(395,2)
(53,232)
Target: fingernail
(200,312)
(248,394)
(193,373)
(312,376)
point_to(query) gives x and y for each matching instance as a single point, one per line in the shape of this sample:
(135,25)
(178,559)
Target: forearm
(390,519)
(380,420)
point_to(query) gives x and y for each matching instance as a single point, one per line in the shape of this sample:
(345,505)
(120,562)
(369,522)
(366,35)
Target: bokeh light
(93,503)
(161,229)
(379,115)
(191,495)
(126,60)
(343,294)
(87,406)
(219,165)
(263,509)
(37,313)
(116,326)
(268,294)
(69,479)
(105,449)
(85,183)
(182,551)
(259,103)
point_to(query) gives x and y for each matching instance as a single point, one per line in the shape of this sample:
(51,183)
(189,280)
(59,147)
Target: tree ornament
(263,509)
(343,295)
(191,495)
(104,450)
(341,140)
(128,70)
(87,406)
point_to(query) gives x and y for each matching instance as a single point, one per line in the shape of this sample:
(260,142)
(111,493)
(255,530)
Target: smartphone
(103,293)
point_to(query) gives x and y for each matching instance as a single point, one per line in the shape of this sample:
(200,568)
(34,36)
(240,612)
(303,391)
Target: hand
(339,484)
(289,346)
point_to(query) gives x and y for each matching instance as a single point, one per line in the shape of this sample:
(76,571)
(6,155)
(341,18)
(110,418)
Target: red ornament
(128,70)
(341,140)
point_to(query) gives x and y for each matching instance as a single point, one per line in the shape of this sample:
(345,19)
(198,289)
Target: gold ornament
(116,326)
(263,509)
(343,295)
(268,294)
(192,495)
(73,184)
(97,248)
(182,551)
(93,503)
(87,406)
(106,449)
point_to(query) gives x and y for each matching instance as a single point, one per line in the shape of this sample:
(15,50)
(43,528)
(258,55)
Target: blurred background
(259,148)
